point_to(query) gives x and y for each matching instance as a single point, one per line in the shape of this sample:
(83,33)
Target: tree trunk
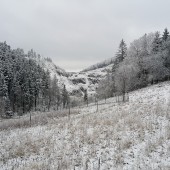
(35,103)
(49,104)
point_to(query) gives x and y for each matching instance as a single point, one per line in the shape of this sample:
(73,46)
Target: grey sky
(79,33)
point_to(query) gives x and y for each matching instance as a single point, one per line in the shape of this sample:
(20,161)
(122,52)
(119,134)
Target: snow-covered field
(132,135)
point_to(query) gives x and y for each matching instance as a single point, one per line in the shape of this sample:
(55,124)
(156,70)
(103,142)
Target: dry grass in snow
(133,135)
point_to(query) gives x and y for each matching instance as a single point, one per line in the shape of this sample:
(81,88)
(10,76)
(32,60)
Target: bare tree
(124,77)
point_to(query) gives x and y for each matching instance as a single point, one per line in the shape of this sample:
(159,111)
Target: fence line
(97,103)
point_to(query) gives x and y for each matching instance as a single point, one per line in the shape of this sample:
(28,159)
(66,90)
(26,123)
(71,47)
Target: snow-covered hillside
(129,136)
(89,80)
(102,64)
(76,83)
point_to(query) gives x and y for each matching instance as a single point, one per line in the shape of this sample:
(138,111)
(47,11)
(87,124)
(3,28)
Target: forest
(24,85)
(145,62)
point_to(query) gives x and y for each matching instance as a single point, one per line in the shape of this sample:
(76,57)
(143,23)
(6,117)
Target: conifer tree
(157,42)
(55,92)
(122,51)
(22,81)
(165,34)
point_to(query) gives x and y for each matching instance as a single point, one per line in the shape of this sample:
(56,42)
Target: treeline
(24,85)
(146,61)
(100,65)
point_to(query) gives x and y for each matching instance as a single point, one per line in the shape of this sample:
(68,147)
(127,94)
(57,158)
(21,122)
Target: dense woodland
(146,61)
(24,85)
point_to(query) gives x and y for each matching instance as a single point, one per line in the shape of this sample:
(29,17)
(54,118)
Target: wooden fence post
(30,118)
(69,112)
(99,164)
(97,106)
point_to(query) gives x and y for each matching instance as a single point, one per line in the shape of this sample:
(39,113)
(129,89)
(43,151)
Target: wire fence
(115,99)
(32,118)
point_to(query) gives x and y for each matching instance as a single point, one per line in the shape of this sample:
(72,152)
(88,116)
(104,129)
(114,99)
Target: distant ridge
(100,65)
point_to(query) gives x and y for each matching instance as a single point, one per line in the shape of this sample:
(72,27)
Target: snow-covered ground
(75,83)
(130,136)
(87,80)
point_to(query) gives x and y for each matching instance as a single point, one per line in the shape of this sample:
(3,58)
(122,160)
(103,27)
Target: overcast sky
(79,33)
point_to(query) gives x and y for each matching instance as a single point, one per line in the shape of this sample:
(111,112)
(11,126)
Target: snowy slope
(102,64)
(120,136)
(87,80)
(76,83)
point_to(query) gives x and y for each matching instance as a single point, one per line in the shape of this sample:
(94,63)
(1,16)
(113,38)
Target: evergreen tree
(165,34)
(122,51)
(144,44)
(7,104)
(55,92)
(22,81)
(48,90)
(157,43)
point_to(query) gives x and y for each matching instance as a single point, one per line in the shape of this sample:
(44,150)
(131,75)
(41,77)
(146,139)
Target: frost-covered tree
(125,77)
(165,39)
(122,51)
(157,43)
(55,92)
(141,46)
(106,87)
(166,53)
(147,62)
(23,83)
(156,69)
(165,34)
